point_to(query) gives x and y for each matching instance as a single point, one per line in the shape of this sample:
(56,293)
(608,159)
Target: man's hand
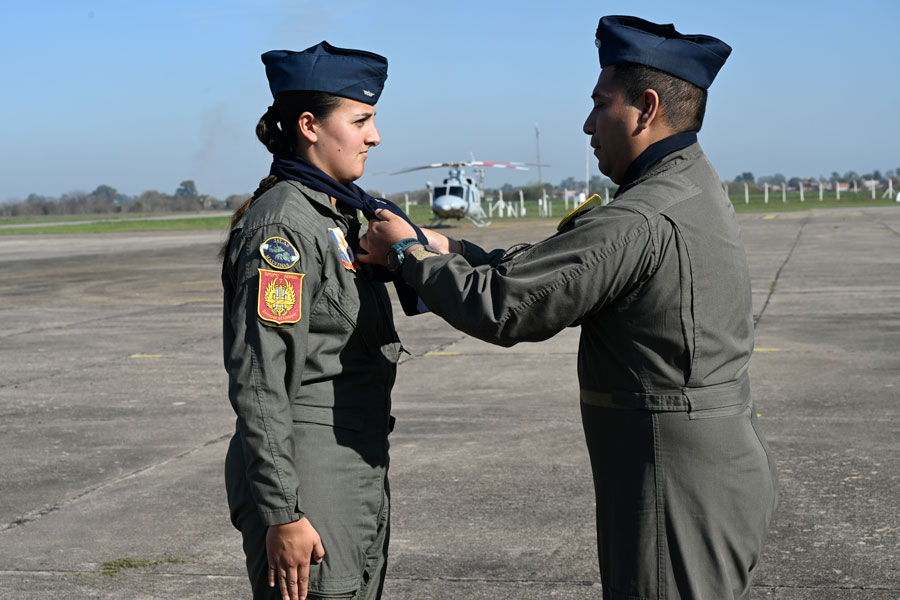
(384,231)
(290,548)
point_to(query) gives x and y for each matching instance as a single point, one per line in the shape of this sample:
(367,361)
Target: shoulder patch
(280,296)
(279,253)
(347,257)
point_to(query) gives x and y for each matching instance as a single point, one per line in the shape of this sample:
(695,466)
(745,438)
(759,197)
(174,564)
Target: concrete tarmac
(114,421)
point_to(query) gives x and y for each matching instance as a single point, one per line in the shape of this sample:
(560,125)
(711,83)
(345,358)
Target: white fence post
(521,204)
(746,193)
(801,191)
(784,192)
(820,191)
(837,189)
(406,202)
(606,195)
(766,196)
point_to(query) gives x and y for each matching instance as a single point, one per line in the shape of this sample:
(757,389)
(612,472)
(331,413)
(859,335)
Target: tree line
(106,199)
(187,198)
(880,179)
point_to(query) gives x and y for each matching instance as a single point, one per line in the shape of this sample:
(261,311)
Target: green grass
(848,200)
(135,226)
(420,214)
(74,218)
(114,567)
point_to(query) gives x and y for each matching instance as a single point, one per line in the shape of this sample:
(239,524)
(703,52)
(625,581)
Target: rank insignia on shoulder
(280,294)
(346,253)
(279,253)
(588,204)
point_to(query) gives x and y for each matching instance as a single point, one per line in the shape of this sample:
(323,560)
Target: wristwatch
(397,252)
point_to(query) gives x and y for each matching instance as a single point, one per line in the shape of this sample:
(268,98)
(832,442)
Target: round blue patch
(279,253)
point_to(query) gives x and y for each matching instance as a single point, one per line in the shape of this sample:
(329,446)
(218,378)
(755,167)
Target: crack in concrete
(42,512)
(784,263)
(882,223)
(438,348)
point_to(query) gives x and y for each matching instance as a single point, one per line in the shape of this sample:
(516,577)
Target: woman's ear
(308,126)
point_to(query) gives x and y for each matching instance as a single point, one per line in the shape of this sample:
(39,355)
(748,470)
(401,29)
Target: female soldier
(309,341)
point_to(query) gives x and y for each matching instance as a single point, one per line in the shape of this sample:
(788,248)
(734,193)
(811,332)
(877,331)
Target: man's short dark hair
(683,104)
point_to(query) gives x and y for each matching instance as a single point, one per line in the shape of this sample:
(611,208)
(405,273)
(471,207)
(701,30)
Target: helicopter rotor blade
(500,165)
(432,166)
(519,166)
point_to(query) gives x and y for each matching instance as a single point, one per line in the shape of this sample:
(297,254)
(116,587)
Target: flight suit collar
(323,201)
(653,154)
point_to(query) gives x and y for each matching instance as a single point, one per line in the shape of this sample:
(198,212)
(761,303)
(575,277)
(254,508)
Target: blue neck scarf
(296,168)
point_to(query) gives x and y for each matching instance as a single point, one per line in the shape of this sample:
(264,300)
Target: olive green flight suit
(658,282)
(312,398)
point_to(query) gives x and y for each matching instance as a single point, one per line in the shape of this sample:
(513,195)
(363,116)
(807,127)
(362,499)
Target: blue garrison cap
(353,74)
(694,58)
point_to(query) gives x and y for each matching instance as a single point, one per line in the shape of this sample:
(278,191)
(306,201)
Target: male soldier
(658,282)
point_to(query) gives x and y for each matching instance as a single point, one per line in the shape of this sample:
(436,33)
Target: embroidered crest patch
(279,296)
(347,257)
(279,253)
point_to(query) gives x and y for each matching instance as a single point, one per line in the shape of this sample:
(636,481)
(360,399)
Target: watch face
(394,260)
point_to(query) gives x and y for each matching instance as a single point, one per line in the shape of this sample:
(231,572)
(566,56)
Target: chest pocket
(361,308)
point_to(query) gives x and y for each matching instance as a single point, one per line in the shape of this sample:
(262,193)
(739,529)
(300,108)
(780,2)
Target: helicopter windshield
(453,190)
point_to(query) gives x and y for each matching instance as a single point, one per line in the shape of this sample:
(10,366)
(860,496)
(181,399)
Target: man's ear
(650,109)
(308,126)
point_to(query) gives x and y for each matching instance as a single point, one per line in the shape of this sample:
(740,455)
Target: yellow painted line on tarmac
(146,356)
(434,353)
(767,349)
(769,217)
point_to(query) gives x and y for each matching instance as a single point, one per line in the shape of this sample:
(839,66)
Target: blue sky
(142,95)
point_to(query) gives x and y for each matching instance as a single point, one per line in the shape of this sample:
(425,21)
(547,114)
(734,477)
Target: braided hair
(279,130)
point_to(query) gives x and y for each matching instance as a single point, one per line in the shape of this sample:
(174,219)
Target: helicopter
(460,196)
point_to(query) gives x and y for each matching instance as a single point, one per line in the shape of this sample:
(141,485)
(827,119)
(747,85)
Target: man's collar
(654,153)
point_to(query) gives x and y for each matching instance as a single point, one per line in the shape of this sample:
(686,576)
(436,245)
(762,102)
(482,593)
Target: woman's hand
(290,548)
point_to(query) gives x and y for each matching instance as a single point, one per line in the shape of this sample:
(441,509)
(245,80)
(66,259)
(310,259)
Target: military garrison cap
(353,74)
(694,58)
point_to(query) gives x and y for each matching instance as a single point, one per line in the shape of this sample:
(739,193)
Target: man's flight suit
(658,282)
